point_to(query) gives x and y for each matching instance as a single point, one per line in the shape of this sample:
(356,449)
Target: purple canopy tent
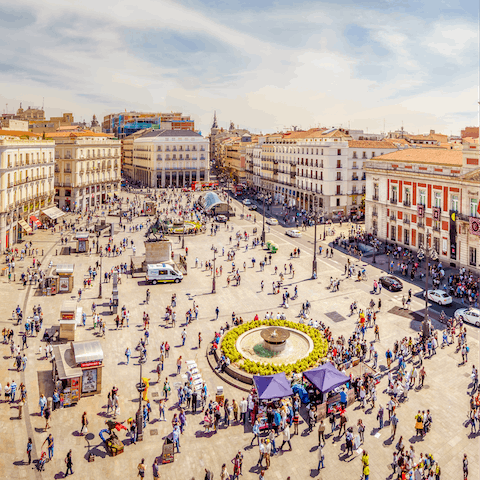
(272,386)
(326,377)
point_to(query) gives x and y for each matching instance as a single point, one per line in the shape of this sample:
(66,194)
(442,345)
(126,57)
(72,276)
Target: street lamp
(427,253)
(314,265)
(100,280)
(140,388)
(374,244)
(214,270)
(263,226)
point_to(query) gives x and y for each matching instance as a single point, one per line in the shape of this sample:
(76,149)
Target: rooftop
(370,144)
(432,156)
(171,133)
(19,133)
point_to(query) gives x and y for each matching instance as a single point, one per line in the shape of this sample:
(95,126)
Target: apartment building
(164,158)
(321,167)
(27,165)
(417,195)
(87,168)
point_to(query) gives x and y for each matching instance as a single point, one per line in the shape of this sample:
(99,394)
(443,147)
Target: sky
(267,66)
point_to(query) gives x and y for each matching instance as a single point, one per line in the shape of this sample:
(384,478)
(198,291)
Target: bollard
(20,410)
(56,252)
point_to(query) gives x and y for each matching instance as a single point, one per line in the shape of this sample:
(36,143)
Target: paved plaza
(445,391)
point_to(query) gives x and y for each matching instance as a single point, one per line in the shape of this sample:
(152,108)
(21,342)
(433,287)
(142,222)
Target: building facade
(169,158)
(427,196)
(127,123)
(26,182)
(316,167)
(87,169)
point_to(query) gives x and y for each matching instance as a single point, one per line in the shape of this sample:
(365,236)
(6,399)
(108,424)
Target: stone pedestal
(158,252)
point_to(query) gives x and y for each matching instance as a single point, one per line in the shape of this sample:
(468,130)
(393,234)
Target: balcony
(393,217)
(375,198)
(462,217)
(374,213)
(421,223)
(406,221)
(407,203)
(436,228)
(354,179)
(393,201)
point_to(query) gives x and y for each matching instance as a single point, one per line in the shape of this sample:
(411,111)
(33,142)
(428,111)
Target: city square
(445,391)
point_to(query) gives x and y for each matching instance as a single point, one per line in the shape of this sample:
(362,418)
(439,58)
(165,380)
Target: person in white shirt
(243,410)
(286,437)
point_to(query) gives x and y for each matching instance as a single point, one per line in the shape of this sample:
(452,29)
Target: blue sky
(264,65)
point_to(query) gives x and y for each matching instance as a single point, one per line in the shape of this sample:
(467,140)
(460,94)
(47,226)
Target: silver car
(469,315)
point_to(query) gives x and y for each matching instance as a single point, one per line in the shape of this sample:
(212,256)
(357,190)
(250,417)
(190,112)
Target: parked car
(469,315)
(253,207)
(439,296)
(272,221)
(391,283)
(293,233)
(247,202)
(221,218)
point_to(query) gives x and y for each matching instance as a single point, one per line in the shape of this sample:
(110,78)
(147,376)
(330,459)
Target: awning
(35,220)
(53,213)
(25,226)
(272,386)
(65,361)
(87,351)
(326,377)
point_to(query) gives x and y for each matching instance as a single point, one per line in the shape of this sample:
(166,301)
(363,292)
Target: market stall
(271,391)
(70,318)
(58,279)
(327,390)
(77,370)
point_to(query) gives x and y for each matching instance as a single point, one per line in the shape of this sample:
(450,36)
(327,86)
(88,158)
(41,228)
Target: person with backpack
(127,354)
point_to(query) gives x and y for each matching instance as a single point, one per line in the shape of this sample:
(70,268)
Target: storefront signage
(96,363)
(89,380)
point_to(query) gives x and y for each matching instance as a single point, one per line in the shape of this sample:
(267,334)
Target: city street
(445,391)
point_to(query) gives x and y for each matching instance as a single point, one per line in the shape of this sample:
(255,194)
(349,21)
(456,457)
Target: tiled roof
(371,144)
(20,133)
(171,133)
(333,134)
(83,133)
(438,156)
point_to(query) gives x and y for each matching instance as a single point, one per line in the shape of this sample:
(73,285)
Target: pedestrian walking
(29,451)
(69,463)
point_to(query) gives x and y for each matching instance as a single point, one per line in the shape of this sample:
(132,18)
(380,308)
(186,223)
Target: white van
(163,273)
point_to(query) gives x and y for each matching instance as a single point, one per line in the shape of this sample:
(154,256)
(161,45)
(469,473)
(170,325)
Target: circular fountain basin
(287,345)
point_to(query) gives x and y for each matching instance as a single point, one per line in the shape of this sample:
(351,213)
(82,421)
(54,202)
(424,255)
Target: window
(373,154)
(364,155)
(393,233)
(354,165)
(338,202)
(473,207)
(354,154)
(375,191)
(406,237)
(394,194)
(422,195)
(436,244)
(339,176)
(438,199)
(339,151)
(338,190)
(339,164)
(473,256)
(421,239)
(454,203)
(408,197)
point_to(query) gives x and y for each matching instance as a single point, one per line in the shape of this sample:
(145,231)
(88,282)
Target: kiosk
(58,279)
(77,370)
(82,242)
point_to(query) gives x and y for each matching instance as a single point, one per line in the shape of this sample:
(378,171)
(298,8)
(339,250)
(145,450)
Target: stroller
(42,461)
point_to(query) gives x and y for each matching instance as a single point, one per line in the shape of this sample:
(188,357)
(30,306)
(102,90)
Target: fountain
(275,345)
(275,339)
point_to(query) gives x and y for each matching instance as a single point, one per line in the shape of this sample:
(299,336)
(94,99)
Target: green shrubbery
(320,348)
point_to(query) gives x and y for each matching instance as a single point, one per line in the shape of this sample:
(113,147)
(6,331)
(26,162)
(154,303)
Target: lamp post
(214,270)
(183,235)
(100,280)
(139,420)
(374,244)
(427,253)
(263,225)
(314,265)
(228,201)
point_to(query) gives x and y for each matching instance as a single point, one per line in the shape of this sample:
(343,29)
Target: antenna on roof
(43,103)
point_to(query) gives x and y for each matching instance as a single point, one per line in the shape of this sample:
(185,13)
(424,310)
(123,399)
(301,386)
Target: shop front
(77,370)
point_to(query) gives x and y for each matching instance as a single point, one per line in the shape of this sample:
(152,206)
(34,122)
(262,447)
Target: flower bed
(320,349)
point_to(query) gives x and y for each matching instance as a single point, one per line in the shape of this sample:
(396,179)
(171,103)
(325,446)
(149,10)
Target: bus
(202,186)
(239,189)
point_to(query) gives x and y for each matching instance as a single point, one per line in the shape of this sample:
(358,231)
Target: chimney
(432,132)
